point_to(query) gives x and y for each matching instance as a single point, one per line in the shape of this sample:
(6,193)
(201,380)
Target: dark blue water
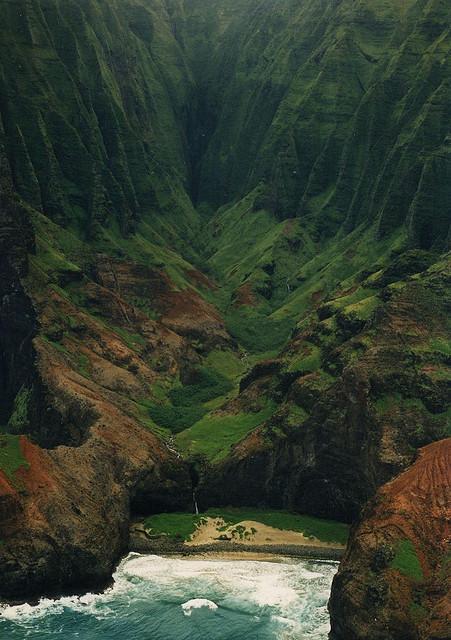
(156,598)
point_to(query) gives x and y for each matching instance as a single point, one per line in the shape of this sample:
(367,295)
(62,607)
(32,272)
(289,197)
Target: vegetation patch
(215,433)
(11,457)
(206,385)
(295,415)
(227,363)
(186,402)
(364,309)
(306,362)
(178,526)
(176,419)
(442,345)
(55,344)
(417,612)
(132,340)
(83,365)
(18,421)
(359,294)
(51,260)
(406,560)
(256,332)
(395,402)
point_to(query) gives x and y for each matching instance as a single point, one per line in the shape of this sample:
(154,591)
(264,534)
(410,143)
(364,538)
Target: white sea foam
(291,595)
(23,613)
(198,603)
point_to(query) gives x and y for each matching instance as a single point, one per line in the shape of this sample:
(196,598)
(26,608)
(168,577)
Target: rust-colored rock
(376,597)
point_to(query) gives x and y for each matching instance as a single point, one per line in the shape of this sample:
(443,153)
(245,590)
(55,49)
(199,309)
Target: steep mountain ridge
(306,100)
(92,99)
(224,234)
(127,103)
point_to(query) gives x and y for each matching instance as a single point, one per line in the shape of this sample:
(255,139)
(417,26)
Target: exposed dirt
(245,296)
(199,279)
(183,311)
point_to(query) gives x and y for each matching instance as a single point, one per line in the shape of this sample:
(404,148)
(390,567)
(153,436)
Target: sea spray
(198,603)
(175,598)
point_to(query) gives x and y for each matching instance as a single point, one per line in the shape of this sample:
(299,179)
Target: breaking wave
(178,599)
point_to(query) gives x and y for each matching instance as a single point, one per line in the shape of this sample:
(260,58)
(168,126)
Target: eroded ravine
(293,344)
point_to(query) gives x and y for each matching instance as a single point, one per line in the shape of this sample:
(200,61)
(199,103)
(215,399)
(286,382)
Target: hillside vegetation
(224,264)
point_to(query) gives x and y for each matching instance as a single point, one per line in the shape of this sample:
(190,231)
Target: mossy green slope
(311,136)
(338,110)
(91,110)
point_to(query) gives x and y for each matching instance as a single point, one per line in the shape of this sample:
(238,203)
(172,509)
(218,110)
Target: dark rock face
(68,511)
(17,317)
(328,466)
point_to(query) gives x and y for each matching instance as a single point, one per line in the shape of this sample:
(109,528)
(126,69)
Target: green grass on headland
(182,525)
(406,560)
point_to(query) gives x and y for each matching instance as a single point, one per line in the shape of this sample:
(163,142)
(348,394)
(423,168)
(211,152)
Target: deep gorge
(225,233)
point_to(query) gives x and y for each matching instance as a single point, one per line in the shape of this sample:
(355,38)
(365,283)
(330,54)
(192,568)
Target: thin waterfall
(196,508)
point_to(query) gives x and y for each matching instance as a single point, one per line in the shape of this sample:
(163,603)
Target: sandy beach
(249,533)
(245,540)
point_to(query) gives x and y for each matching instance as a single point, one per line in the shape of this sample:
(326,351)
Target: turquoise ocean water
(155,598)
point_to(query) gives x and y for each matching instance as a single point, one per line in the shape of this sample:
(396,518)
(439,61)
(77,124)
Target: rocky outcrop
(68,486)
(68,507)
(394,580)
(353,405)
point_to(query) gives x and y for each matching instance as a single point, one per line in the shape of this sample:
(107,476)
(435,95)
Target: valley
(224,270)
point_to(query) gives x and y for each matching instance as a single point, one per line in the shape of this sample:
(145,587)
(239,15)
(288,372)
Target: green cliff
(224,233)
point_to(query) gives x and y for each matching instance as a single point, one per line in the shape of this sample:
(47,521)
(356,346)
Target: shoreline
(161,547)
(213,551)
